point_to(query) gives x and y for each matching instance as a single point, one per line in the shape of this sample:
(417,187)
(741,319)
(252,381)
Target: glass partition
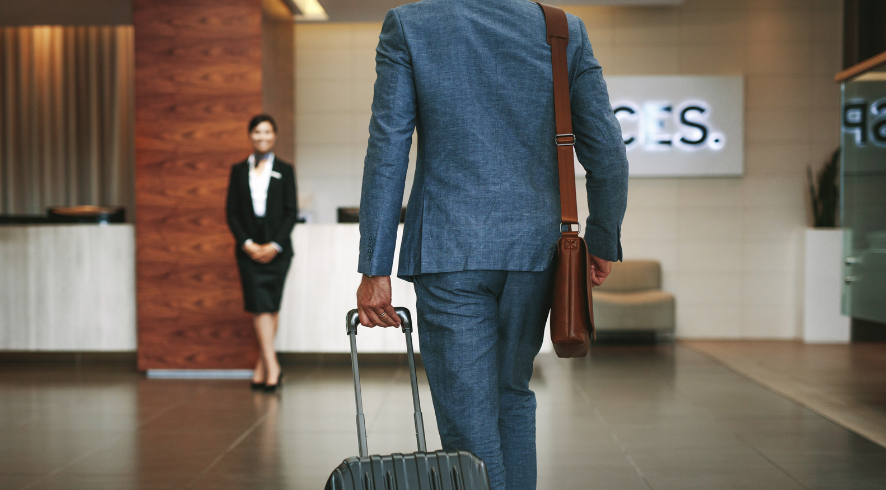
(863,197)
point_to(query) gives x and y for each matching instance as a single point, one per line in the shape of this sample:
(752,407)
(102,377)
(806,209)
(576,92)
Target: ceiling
(375,10)
(65,12)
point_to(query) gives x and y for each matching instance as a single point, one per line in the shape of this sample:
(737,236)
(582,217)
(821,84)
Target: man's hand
(600,269)
(374,302)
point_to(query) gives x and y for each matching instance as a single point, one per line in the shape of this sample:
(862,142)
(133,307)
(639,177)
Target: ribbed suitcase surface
(459,470)
(440,470)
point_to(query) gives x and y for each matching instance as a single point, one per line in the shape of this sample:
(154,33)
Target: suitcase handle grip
(403,313)
(353,321)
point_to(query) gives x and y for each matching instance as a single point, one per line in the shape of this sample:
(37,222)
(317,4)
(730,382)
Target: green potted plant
(825,195)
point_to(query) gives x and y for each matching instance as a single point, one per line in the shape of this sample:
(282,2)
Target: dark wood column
(864,30)
(198,79)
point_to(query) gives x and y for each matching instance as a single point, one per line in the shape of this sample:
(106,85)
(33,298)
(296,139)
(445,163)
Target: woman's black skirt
(263,283)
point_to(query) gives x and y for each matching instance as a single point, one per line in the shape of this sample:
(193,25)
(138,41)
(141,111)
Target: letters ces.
(662,126)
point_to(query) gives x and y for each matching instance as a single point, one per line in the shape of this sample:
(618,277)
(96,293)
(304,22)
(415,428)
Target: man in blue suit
(474,79)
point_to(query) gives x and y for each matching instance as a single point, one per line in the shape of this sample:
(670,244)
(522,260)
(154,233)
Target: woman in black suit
(262,208)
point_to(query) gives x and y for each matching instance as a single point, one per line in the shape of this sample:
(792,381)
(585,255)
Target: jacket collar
(250,161)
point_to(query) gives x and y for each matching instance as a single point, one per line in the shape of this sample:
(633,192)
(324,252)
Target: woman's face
(263,137)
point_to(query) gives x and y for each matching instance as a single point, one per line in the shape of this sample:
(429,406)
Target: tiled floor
(626,418)
(844,383)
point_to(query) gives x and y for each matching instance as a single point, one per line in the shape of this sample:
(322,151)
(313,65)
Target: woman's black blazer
(282,208)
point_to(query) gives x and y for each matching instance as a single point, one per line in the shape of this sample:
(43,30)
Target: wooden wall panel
(198,80)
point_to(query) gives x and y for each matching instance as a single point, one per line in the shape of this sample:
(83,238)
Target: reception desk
(67,287)
(72,288)
(321,288)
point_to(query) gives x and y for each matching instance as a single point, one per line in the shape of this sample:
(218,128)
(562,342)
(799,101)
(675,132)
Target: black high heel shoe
(272,388)
(256,386)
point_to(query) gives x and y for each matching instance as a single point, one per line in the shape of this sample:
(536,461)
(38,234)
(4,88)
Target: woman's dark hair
(255,121)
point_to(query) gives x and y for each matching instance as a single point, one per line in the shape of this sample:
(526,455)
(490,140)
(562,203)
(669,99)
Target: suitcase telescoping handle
(353,322)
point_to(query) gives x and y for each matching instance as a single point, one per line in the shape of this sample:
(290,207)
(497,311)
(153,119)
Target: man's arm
(384,171)
(601,152)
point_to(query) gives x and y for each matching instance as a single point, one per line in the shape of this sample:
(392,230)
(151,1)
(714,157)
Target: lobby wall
(731,248)
(335,74)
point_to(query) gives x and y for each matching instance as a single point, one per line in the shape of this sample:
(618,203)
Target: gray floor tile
(646,417)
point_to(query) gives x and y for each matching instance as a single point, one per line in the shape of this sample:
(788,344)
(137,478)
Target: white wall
(335,74)
(731,248)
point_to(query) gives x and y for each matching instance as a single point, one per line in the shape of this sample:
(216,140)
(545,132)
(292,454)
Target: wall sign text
(675,126)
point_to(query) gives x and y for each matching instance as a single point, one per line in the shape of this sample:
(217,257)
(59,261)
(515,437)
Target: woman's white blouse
(258,185)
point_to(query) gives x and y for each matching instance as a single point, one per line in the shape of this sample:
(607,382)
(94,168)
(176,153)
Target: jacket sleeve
(601,151)
(290,206)
(387,155)
(232,212)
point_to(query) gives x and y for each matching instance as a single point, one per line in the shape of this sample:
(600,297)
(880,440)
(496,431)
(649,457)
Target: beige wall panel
(705,258)
(650,26)
(701,59)
(706,193)
(634,59)
(721,28)
(698,322)
(768,322)
(774,159)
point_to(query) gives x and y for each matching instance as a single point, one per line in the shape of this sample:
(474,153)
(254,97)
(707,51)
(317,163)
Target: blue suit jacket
(473,77)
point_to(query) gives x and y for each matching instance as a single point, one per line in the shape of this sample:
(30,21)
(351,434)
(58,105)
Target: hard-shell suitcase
(421,470)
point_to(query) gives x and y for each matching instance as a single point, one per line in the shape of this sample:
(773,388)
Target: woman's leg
(258,373)
(266,330)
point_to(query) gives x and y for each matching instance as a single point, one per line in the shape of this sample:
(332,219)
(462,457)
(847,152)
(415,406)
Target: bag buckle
(565,139)
(567,227)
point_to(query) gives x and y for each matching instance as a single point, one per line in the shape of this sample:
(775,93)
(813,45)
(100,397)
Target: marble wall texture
(67,288)
(731,248)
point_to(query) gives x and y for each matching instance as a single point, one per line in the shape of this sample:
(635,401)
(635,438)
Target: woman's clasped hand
(260,253)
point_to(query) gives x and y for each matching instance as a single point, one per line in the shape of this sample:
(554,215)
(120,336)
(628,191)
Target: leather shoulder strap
(555,18)
(558,38)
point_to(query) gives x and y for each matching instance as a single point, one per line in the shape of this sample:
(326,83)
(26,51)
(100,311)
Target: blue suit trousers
(479,332)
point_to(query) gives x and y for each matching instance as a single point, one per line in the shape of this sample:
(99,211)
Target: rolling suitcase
(421,470)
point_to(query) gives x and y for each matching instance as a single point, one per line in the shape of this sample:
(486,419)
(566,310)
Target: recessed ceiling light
(311,10)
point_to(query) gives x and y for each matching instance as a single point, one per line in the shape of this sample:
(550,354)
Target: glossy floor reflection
(626,418)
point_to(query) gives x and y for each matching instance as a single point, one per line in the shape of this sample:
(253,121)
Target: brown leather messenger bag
(572,307)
